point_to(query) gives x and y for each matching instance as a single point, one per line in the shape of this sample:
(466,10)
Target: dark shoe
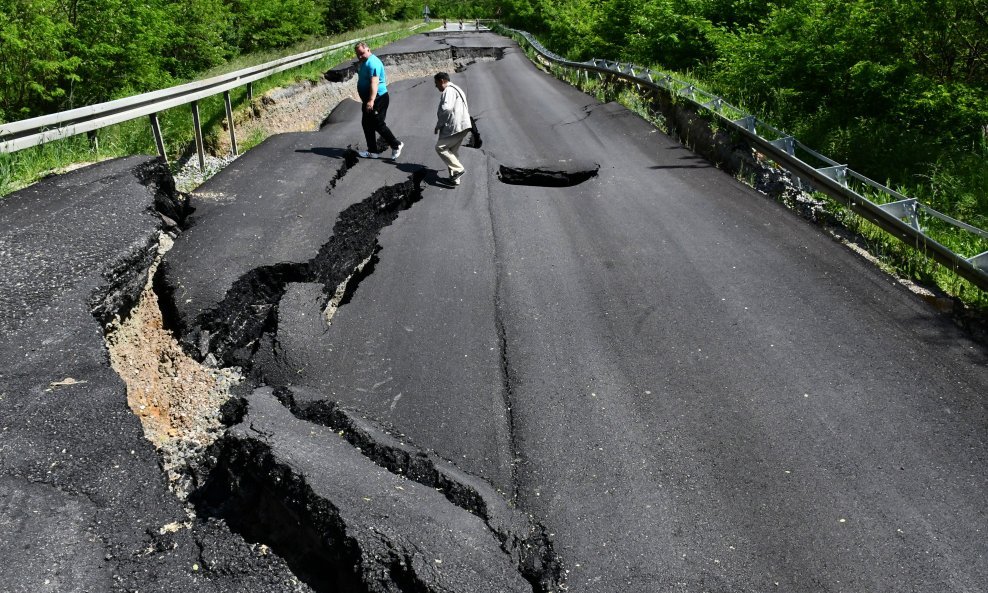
(455,177)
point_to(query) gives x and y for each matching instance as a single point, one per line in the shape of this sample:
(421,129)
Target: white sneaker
(368,155)
(396,152)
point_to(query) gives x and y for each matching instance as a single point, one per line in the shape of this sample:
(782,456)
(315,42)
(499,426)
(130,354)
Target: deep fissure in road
(545,177)
(525,540)
(232,330)
(266,501)
(243,482)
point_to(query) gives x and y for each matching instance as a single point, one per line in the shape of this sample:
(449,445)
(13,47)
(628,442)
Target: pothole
(176,398)
(546,177)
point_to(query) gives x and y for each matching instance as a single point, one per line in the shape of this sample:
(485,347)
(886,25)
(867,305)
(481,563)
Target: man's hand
(369,106)
(436,131)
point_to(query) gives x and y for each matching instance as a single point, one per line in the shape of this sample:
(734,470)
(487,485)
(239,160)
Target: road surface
(654,379)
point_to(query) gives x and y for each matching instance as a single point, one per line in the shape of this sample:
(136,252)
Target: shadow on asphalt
(336,153)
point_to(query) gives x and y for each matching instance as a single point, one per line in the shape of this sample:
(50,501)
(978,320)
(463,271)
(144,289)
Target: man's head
(363,52)
(442,79)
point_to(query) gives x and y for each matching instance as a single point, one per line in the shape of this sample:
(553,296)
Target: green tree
(202,41)
(345,15)
(35,63)
(275,23)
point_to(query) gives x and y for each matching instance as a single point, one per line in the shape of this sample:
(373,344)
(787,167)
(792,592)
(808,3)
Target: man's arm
(373,92)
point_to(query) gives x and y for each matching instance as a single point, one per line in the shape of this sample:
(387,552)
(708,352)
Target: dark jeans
(373,123)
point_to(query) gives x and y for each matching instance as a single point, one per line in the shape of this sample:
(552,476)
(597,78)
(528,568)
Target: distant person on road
(444,23)
(373,90)
(461,24)
(453,125)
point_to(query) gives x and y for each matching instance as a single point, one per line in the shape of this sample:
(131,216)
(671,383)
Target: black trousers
(373,123)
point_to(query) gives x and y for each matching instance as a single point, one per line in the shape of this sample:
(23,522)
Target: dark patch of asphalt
(83,502)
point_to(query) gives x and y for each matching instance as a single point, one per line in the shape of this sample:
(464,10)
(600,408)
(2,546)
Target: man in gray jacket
(453,125)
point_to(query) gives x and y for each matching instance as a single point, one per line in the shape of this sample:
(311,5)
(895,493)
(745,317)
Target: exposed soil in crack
(176,398)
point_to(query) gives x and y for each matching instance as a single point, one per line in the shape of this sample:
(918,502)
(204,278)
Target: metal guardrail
(900,216)
(26,133)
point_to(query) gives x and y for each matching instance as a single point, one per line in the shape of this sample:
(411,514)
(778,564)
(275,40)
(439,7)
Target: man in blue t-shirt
(373,90)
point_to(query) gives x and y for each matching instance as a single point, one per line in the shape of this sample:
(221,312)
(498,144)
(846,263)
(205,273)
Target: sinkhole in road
(545,176)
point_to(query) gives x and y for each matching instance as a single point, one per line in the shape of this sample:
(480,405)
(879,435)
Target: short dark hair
(442,76)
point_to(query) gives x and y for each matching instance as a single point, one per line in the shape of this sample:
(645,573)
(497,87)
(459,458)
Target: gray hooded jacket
(453,112)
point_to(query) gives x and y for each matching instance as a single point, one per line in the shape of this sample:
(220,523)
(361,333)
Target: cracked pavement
(653,379)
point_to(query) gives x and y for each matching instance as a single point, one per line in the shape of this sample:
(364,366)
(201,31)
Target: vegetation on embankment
(898,91)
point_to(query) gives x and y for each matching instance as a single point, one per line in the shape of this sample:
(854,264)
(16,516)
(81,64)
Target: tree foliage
(61,54)
(898,89)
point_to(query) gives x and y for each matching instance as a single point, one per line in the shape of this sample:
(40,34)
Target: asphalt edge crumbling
(523,538)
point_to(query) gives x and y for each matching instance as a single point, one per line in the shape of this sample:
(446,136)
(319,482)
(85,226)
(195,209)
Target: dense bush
(61,54)
(898,90)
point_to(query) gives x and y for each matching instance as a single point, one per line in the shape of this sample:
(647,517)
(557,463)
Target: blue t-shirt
(372,67)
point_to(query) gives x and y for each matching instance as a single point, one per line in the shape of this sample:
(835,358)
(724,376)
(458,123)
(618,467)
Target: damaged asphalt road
(599,364)
(84,505)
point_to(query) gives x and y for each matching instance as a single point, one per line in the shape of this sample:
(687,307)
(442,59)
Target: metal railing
(893,212)
(26,133)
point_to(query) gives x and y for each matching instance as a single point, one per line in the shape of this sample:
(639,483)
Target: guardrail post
(747,122)
(980,261)
(200,146)
(904,209)
(229,121)
(787,144)
(838,173)
(250,91)
(158,140)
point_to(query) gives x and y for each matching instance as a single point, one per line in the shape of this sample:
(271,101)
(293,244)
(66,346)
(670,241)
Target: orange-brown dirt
(176,398)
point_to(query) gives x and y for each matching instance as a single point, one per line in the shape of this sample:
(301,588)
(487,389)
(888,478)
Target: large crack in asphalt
(301,505)
(231,331)
(282,467)
(322,499)
(524,539)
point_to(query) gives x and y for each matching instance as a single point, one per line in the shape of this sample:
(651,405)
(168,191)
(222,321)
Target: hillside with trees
(61,54)
(897,90)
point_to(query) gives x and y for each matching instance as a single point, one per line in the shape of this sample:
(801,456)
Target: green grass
(22,168)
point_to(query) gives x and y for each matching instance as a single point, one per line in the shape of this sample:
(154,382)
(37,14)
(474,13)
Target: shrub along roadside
(896,90)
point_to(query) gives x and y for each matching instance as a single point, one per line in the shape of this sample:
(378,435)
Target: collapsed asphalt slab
(343,520)
(84,505)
